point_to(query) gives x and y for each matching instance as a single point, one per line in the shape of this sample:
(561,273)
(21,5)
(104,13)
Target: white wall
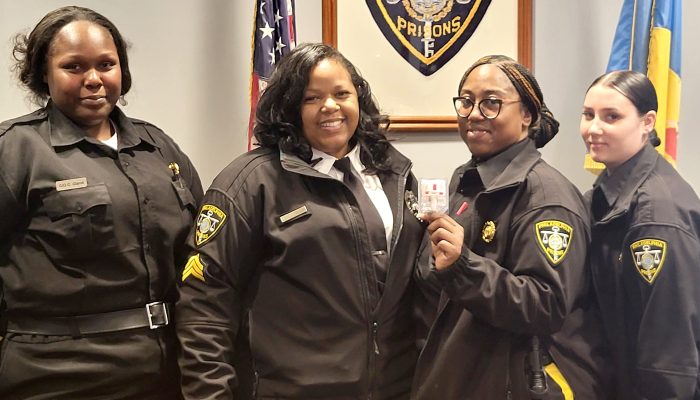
(191,67)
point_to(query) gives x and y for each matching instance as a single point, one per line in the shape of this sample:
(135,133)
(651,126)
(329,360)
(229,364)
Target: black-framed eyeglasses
(488,107)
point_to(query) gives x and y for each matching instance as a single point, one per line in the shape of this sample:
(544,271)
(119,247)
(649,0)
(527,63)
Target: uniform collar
(64,132)
(619,188)
(397,162)
(323,162)
(491,169)
(507,168)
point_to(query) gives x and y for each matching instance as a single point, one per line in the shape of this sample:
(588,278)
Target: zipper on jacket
(365,281)
(375,327)
(373,354)
(255,384)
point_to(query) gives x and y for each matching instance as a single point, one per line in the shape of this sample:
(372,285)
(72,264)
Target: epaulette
(37,115)
(137,121)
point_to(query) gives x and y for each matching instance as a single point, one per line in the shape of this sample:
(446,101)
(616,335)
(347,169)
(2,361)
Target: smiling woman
(96,209)
(313,259)
(84,76)
(646,243)
(518,300)
(330,111)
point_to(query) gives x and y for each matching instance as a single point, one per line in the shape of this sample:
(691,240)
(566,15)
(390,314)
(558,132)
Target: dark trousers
(137,364)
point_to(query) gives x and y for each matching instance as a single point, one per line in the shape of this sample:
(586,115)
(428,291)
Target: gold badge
(488,232)
(648,256)
(554,237)
(194,268)
(209,222)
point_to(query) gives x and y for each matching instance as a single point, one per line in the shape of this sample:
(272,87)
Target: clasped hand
(446,238)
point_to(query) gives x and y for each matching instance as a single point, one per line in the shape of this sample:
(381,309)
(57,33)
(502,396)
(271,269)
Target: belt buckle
(152,324)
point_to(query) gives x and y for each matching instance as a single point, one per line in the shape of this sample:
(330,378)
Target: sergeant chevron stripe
(194,268)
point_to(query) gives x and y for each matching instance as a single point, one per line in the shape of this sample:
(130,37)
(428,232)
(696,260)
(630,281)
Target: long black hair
(278,121)
(637,88)
(31,51)
(544,126)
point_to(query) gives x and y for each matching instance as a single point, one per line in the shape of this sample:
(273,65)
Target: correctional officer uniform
(89,236)
(645,253)
(280,254)
(522,273)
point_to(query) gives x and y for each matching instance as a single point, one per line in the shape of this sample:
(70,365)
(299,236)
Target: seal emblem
(553,238)
(209,222)
(648,256)
(427,33)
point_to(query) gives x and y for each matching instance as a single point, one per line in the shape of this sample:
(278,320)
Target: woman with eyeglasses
(645,243)
(515,318)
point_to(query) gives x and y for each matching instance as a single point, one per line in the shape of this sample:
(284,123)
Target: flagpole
(329,11)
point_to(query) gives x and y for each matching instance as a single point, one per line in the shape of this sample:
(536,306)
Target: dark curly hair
(278,121)
(637,88)
(31,51)
(544,126)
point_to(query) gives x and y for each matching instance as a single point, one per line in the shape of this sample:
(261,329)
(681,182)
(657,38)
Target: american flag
(274,36)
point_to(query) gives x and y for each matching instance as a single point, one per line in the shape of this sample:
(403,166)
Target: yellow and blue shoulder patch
(209,223)
(554,237)
(194,268)
(648,256)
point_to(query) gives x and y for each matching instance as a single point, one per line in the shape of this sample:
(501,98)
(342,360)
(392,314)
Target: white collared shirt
(371,183)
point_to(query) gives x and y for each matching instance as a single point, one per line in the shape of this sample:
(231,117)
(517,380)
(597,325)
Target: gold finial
(175,168)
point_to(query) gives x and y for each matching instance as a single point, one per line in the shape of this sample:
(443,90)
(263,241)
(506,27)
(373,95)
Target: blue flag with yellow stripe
(648,40)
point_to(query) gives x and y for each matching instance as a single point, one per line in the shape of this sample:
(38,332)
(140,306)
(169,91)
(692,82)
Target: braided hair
(544,126)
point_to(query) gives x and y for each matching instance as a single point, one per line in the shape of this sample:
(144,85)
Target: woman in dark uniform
(516,318)
(306,246)
(95,211)
(646,247)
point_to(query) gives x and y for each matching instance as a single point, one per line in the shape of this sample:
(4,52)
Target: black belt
(153,315)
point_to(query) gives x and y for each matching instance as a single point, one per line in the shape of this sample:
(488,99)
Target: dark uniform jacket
(89,230)
(522,273)
(280,254)
(646,266)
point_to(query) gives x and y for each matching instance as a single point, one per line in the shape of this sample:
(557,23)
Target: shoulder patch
(193,268)
(553,237)
(209,223)
(648,256)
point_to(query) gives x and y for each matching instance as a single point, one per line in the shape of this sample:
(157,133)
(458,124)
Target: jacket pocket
(79,224)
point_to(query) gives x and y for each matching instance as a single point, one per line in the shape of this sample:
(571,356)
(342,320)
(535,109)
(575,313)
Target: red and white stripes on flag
(274,35)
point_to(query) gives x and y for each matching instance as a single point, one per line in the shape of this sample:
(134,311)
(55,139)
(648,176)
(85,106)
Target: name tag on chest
(68,184)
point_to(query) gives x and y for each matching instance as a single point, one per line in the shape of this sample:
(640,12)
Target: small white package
(433,196)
